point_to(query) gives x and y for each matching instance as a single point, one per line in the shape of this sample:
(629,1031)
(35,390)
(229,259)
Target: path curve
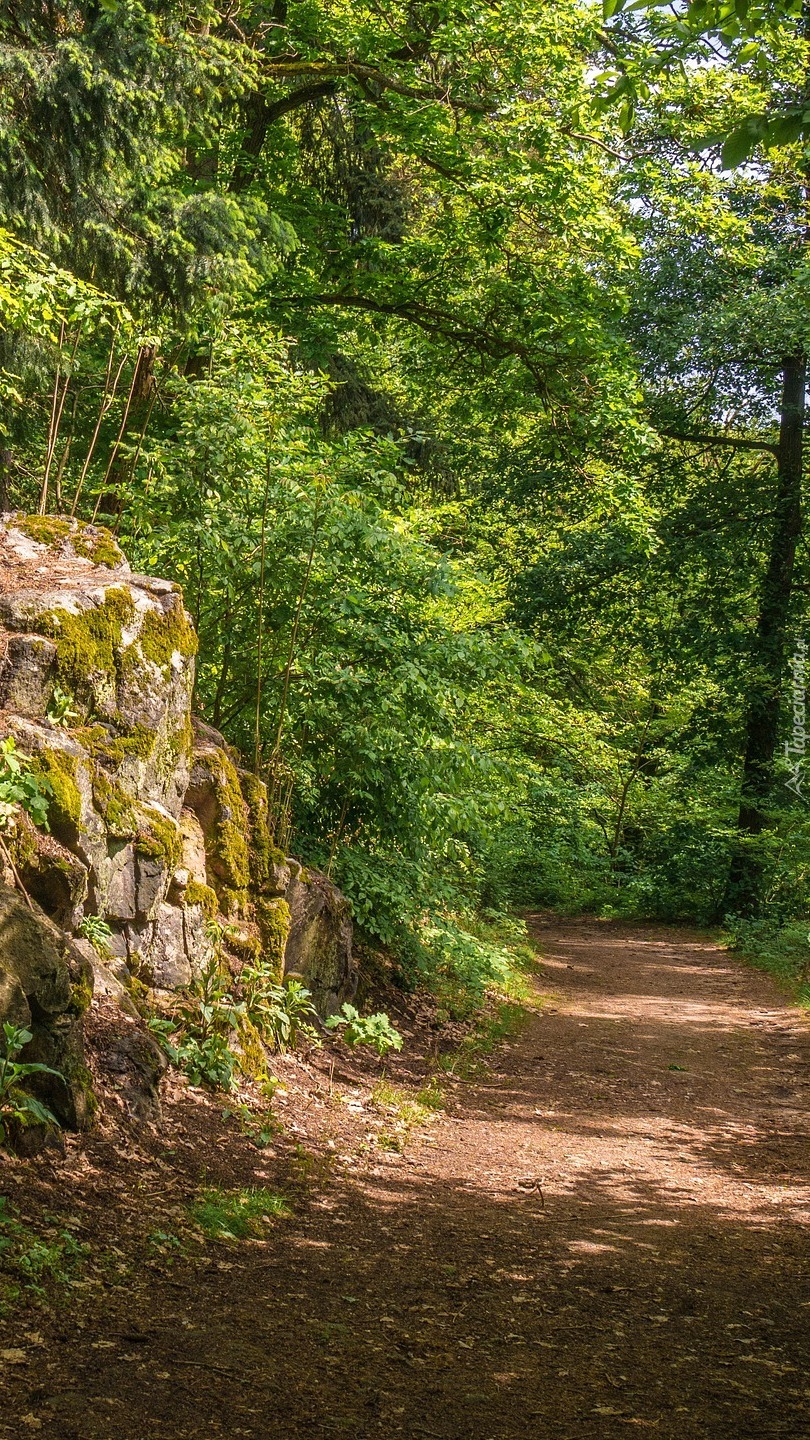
(608,1236)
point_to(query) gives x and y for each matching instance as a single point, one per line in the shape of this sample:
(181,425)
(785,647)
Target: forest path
(608,1236)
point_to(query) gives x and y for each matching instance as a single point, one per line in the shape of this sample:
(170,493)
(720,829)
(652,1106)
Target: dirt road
(610,1235)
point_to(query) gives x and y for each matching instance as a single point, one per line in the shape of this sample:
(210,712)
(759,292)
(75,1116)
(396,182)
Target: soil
(604,1233)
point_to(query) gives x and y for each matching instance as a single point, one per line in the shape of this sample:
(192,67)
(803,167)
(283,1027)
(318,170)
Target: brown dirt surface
(605,1233)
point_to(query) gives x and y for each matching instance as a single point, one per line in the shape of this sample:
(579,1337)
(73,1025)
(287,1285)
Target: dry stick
(118,439)
(57,484)
(52,421)
(106,402)
(15,872)
(54,435)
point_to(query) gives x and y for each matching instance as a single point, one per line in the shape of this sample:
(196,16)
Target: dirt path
(609,1236)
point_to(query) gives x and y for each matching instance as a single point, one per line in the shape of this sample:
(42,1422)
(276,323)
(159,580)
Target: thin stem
(52,422)
(106,402)
(260,636)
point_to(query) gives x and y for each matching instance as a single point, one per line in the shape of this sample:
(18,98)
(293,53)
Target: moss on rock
(114,805)
(159,837)
(88,644)
(91,542)
(273,918)
(196,893)
(167,633)
(261,855)
(65,803)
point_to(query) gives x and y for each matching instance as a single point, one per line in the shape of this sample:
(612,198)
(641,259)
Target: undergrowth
(466,960)
(781,949)
(39,1262)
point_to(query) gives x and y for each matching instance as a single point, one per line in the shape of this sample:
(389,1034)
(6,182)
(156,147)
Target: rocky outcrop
(319,944)
(46,985)
(153,825)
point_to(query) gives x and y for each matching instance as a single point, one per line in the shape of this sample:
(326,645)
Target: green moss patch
(44,529)
(114,805)
(167,633)
(226,841)
(159,837)
(196,893)
(273,918)
(91,542)
(65,803)
(88,645)
(263,853)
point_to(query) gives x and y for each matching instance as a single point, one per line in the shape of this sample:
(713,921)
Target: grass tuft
(236,1214)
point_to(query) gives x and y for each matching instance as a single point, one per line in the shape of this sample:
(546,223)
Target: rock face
(153,825)
(319,944)
(46,985)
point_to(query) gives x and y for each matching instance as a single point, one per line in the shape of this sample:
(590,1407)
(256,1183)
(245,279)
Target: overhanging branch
(439,323)
(735,442)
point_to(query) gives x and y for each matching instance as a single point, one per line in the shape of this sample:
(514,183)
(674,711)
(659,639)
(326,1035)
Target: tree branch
(352,69)
(433,321)
(260,114)
(734,441)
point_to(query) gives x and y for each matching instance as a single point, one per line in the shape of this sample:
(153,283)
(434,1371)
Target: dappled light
(587,1241)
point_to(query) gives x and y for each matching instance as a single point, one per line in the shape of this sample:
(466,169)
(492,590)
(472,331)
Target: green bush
(373,1030)
(17,1107)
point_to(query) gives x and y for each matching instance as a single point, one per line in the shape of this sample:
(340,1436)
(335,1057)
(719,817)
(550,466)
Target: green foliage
(237,1214)
(197,1037)
(32,1261)
(60,708)
(20,785)
(17,1107)
(381,357)
(782,949)
(373,1030)
(279,1012)
(95,929)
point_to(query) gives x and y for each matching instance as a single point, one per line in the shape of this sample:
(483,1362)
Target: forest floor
(606,1232)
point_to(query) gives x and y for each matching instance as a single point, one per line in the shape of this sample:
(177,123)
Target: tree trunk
(744,888)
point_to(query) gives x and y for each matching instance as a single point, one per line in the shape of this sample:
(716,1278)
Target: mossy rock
(273,919)
(215,796)
(65,805)
(91,542)
(46,984)
(114,805)
(89,643)
(158,837)
(197,894)
(166,634)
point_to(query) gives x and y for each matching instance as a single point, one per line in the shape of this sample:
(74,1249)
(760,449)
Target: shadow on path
(609,1237)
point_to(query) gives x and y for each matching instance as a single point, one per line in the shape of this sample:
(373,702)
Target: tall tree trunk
(744,888)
